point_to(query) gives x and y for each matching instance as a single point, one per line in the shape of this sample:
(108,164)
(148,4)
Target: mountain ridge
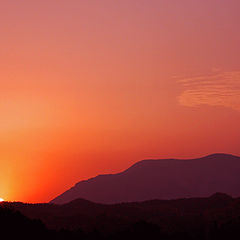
(182,177)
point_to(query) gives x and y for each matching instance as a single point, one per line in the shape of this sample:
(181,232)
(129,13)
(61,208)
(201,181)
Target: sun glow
(1,200)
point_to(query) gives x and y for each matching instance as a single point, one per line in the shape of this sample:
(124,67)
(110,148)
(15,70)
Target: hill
(215,217)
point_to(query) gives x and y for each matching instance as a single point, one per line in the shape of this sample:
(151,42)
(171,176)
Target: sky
(89,87)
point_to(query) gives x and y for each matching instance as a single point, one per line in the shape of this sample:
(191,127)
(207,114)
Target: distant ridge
(161,179)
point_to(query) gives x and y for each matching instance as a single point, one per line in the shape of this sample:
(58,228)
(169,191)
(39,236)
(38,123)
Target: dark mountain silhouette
(161,179)
(215,217)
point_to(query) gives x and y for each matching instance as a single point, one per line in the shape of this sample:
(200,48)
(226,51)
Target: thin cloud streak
(221,89)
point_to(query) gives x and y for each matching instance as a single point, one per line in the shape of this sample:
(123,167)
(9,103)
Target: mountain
(161,179)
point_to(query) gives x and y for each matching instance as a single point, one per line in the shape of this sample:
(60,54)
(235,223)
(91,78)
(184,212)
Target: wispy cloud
(218,89)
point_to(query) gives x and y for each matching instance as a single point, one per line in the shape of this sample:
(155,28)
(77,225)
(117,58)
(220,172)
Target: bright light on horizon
(1,200)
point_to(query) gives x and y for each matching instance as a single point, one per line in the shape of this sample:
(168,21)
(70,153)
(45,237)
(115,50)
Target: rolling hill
(191,216)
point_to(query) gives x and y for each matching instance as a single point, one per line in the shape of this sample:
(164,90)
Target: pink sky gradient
(90,87)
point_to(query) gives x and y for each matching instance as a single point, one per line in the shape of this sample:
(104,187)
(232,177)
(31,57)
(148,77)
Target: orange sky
(90,87)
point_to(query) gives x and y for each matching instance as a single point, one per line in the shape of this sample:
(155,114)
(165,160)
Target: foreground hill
(215,217)
(162,179)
